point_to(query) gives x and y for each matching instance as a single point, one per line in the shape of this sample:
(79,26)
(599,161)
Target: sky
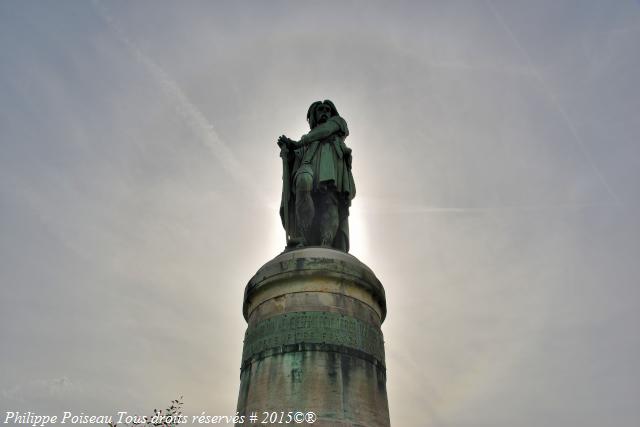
(496,156)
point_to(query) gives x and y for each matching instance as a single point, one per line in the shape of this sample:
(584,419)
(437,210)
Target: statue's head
(320,111)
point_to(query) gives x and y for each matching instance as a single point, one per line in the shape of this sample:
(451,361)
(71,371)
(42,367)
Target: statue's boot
(341,241)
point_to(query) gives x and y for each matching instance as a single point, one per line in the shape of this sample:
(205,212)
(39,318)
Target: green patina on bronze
(318,185)
(313,327)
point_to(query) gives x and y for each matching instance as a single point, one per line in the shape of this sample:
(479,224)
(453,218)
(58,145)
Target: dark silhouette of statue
(317,182)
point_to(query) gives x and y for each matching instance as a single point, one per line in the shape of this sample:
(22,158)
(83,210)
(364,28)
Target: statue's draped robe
(329,160)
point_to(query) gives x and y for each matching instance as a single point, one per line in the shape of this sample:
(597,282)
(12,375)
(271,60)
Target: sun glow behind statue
(358,230)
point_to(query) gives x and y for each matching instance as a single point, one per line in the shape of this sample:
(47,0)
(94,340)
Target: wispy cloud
(39,388)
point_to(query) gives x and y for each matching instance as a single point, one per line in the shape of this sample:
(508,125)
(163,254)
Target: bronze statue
(317,182)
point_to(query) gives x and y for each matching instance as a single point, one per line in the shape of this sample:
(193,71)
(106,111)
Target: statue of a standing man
(317,182)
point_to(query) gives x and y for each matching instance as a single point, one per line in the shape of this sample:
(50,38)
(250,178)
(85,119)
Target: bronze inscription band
(313,327)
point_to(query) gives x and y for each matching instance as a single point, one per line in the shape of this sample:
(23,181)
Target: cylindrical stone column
(313,341)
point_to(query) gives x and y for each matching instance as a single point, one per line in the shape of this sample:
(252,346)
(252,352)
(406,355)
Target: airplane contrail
(556,103)
(194,118)
(385,206)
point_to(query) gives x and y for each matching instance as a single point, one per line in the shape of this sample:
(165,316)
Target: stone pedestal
(313,341)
